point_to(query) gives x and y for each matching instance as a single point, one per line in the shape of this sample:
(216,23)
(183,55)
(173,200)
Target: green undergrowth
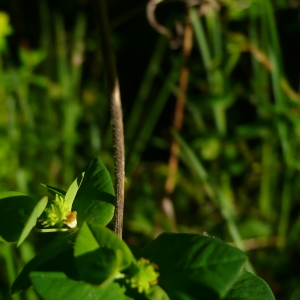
(89,261)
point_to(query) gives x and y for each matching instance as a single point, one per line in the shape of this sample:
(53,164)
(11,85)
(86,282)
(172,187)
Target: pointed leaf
(73,189)
(53,190)
(100,253)
(50,256)
(31,222)
(191,265)
(57,286)
(15,209)
(250,287)
(95,198)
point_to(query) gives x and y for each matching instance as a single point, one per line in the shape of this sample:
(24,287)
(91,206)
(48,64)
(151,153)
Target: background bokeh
(239,162)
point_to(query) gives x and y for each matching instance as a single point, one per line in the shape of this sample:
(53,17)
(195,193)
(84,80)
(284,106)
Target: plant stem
(116,113)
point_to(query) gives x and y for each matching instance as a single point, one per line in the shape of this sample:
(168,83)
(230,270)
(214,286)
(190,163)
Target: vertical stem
(116,113)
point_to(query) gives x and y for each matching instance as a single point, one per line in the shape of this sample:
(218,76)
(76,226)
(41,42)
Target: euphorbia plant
(89,261)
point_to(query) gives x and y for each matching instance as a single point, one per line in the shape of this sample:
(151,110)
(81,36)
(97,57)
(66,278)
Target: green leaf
(53,190)
(57,286)
(15,209)
(73,189)
(100,254)
(191,265)
(157,293)
(57,255)
(31,222)
(250,287)
(95,198)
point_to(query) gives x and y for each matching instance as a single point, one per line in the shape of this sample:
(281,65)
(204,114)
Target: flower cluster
(143,275)
(59,212)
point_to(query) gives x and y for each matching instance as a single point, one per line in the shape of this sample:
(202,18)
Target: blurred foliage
(238,176)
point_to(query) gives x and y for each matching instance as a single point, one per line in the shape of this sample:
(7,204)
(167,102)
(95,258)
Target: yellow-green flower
(143,275)
(59,212)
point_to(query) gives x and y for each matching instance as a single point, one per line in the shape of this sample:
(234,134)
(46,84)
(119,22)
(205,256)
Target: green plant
(89,261)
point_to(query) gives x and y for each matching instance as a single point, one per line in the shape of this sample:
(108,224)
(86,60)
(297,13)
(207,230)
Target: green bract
(143,275)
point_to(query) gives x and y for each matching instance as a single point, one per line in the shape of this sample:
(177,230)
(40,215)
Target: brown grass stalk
(170,183)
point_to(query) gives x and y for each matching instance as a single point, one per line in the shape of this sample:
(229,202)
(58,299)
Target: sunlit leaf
(157,293)
(94,200)
(31,222)
(57,286)
(100,254)
(73,189)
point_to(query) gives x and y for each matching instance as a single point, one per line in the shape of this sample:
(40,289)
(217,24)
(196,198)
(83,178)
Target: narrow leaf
(53,190)
(31,222)
(73,189)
